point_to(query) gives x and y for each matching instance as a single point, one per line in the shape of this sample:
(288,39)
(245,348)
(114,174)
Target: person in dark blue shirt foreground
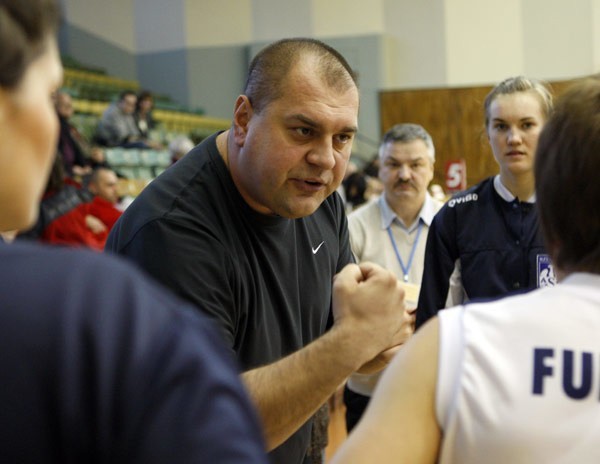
(98,363)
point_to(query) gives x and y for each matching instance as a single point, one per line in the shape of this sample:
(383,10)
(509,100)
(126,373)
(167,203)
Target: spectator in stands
(117,126)
(72,146)
(65,217)
(355,188)
(248,226)
(341,190)
(143,113)
(374,184)
(104,184)
(98,158)
(371,169)
(100,365)
(437,192)
(179,146)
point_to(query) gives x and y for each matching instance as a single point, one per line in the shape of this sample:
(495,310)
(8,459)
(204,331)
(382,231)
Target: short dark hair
(126,93)
(141,96)
(566,166)
(95,175)
(271,65)
(25,27)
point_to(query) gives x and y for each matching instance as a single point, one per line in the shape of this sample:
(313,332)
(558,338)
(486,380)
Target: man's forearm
(370,318)
(288,392)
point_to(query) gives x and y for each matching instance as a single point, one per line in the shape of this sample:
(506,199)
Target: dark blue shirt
(101,365)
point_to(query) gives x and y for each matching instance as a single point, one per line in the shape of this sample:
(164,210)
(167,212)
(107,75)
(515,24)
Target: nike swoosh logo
(314,250)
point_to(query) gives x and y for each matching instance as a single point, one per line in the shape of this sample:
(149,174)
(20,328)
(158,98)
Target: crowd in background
(84,196)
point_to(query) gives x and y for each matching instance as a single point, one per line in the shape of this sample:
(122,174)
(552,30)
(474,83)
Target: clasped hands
(368,301)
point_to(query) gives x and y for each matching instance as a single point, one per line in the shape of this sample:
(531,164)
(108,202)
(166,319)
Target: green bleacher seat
(145,172)
(127,171)
(131,156)
(164,159)
(149,157)
(115,156)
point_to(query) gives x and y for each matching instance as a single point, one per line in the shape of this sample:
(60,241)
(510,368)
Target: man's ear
(241,119)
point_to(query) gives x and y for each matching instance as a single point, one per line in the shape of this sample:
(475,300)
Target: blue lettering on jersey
(540,369)
(585,385)
(544,366)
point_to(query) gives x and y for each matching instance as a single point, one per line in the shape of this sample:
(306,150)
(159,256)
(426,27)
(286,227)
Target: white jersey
(519,379)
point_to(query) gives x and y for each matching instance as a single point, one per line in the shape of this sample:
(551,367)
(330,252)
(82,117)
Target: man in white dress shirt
(392,230)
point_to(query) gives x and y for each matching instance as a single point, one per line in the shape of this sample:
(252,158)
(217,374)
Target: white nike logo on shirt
(314,250)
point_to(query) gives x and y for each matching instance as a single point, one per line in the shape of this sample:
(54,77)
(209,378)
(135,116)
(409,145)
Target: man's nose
(404,172)
(322,155)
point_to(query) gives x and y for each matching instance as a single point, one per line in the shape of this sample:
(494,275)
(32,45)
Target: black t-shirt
(266,280)
(102,365)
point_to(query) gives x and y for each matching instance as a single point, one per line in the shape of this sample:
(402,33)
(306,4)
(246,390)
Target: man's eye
(344,138)
(304,131)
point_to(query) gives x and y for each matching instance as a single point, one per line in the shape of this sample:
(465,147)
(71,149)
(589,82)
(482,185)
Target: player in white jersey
(517,380)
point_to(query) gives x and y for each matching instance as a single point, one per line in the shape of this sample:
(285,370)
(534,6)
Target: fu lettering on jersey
(545,272)
(571,369)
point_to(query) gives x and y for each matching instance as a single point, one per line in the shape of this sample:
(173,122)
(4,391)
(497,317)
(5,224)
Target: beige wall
(111,20)
(197,50)
(336,18)
(217,22)
(484,43)
(426,43)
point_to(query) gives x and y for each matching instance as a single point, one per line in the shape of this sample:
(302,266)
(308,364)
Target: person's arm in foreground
(400,423)
(369,318)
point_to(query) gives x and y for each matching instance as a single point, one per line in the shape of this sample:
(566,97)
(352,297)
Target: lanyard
(405,269)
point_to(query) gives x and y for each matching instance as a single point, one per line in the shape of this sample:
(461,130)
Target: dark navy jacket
(497,243)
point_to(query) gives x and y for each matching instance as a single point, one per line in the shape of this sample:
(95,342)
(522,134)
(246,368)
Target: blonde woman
(485,242)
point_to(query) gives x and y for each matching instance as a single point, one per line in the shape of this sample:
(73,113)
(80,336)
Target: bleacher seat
(131,157)
(126,171)
(145,172)
(115,156)
(136,163)
(149,157)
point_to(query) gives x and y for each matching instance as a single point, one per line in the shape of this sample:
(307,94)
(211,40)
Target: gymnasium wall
(197,51)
